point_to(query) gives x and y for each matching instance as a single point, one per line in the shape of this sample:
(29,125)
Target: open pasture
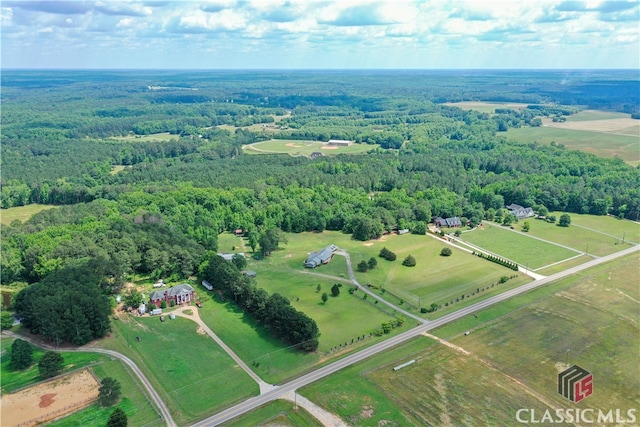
(486,107)
(21,213)
(517,247)
(295,147)
(602,144)
(154,137)
(190,371)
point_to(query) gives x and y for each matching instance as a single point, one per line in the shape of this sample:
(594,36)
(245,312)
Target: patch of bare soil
(328,147)
(200,331)
(49,400)
(367,412)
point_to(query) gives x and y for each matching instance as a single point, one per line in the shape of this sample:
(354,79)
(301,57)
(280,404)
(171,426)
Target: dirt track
(49,400)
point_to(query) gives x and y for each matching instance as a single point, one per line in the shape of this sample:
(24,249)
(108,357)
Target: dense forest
(64,132)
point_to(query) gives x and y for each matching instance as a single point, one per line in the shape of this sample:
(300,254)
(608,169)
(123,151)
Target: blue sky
(232,34)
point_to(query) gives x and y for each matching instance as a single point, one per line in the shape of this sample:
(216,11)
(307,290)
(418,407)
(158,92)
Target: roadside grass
(280,413)
(518,247)
(519,345)
(13,380)
(352,396)
(557,268)
(21,213)
(192,374)
(602,144)
(296,147)
(139,410)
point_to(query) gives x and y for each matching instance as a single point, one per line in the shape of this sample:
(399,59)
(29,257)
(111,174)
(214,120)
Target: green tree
(565,220)
(526,226)
(239,261)
(163,304)
(253,239)
(363,266)
(133,299)
(325,297)
(21,354)
(51,364)
(335,290)
(445,252)
(409,261)
(270,240)
(118,419)
(6,320)
(508,219)
(319,287)
(109,392)
(373,263)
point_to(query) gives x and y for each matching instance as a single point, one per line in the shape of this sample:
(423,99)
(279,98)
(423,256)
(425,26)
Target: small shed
(249,273)
(172,316)
(155,311)
(207,285)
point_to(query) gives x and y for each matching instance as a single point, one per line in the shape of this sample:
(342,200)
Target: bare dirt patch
(200,331)
(49,400)
(291,144)
(329,147)
(367,412)
(368,244)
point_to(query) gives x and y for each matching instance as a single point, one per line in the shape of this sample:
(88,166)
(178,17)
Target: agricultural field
(21,213)
(486,107)
(295,147)
(154,137)
(607,144)
(586,319)
(518,247)
(186,366)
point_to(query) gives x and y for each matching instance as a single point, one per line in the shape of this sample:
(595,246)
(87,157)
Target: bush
(152,306)
(409,261)
(445,252)
(387,254)
(163,304)
(363,266)
(423,310)
(335,290)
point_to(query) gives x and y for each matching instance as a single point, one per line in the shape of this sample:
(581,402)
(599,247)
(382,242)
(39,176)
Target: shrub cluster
(409,261)
(498,260)
(387,254)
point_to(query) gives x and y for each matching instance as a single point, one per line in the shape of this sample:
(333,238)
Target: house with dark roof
(323,256)
(520,212)
(179,294)
(447,222)
(315,155)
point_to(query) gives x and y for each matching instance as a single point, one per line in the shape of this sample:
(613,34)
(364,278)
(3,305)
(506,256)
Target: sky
(312,34)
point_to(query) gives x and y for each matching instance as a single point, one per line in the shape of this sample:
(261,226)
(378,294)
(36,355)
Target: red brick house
(179,294)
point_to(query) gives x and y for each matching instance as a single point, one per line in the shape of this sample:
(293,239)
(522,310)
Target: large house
(447,222)
(179,294)
(520,212)
(323,256)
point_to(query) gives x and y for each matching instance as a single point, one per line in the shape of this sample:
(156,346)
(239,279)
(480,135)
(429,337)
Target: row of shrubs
(498,260)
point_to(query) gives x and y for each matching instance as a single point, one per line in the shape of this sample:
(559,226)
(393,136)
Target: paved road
(151,392)
(293,385)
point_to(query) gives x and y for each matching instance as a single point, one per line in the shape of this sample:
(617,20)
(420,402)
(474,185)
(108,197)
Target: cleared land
(21,213)
(295,147)
(484,378)
(518,247)
(50,399)
(191,372)
(155,137)
(486,107)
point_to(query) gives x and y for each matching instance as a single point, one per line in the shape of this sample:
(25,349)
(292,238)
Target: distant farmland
(295,147)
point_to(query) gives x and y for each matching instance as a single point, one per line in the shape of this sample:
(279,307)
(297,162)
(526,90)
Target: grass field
(602,144)
(21,213)
(485,107)
(193,375)
(594,314)
(518,247)
(154,137)
(296,147)
(279,413)
(134,402)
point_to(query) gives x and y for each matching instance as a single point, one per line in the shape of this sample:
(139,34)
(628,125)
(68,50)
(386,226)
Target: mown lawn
(21,213)
(277,413)
(518,247)
(192,374)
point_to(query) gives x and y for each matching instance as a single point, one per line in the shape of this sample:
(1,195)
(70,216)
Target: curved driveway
(151,392)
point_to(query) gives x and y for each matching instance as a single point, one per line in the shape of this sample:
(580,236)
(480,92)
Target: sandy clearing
(49,400)
(329,147)
(291,144)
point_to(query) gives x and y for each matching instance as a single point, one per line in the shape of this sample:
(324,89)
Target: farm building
(323,256)
(207,285)
(229,257)
(339,142)
(447,222)
(178,294)
(249,273)
(520,212)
